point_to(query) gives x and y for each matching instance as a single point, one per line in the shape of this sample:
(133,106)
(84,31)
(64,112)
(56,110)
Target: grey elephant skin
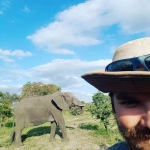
(39,109)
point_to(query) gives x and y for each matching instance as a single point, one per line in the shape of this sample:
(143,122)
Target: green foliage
(10,97)
(75,110)
(38,88)
(5,111)
(87,106)
(101,108)
(6,100)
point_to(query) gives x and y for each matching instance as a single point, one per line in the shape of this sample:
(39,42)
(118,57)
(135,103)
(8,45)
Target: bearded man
(127,80)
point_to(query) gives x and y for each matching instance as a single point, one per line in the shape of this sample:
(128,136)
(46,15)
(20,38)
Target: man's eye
(129,104)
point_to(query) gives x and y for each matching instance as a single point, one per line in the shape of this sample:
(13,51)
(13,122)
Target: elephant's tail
(12,136)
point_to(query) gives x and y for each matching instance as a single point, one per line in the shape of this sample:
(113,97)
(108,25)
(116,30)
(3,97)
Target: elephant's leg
(53,131)
(62,126)
(19,128)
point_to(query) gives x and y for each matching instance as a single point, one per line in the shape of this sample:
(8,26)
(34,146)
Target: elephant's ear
(61,102)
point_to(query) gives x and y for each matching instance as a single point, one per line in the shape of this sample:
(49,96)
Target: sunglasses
(130,64)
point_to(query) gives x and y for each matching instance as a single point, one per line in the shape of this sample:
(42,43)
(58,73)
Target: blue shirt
(119,146)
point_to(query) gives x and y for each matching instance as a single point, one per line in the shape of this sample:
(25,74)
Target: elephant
(36,110)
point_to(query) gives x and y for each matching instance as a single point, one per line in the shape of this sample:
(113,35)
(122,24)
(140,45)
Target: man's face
(132,112)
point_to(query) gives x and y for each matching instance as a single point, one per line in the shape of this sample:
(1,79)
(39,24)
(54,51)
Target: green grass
(95,130)
(108,137)
(98,131)
(5,133)
(30,131)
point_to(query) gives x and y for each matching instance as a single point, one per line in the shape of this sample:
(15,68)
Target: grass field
(84,132)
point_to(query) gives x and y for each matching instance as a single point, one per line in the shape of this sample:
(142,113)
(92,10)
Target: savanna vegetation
(95,127)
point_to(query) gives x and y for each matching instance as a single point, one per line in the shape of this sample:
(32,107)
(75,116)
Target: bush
(75,110)
(101,108)
(5,112)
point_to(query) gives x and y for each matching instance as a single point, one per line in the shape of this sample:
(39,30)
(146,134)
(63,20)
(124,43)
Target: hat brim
(126,81)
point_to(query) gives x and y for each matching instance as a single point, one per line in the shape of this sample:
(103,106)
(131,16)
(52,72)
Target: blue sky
(58,41)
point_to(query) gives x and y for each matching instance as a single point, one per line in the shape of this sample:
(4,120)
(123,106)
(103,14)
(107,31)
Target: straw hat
(123,81)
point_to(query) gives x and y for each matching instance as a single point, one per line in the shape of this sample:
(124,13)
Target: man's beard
(137,139)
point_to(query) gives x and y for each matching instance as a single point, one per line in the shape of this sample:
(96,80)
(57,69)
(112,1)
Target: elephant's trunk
(79,104)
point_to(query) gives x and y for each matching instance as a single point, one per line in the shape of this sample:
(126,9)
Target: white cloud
(61,51)
(26,9)
(131,16)
(6,59)
(20,53)
(81,24)
(63,72)
(83,96)
(11,88)
(66,73)
(5,54)
(6,81)
(12,76)
(69,66)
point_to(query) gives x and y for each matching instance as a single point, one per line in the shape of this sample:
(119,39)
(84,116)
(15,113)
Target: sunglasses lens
(120,66)
(147,62)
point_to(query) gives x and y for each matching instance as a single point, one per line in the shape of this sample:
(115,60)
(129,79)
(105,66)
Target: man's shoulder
(119,146)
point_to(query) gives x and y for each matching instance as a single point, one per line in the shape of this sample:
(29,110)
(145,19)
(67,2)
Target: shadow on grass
(41,131)
(89,127)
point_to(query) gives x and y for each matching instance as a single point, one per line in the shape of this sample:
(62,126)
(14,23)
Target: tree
(14,98)
(5,111)
(101,108)
(1,96)
(38,88)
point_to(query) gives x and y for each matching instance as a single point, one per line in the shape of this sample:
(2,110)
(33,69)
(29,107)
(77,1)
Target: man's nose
(145,119)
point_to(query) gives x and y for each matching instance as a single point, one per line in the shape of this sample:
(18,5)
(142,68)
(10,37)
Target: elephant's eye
(64,98)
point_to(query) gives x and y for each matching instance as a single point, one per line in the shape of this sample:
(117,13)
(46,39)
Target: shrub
(75,110)
(101,108)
